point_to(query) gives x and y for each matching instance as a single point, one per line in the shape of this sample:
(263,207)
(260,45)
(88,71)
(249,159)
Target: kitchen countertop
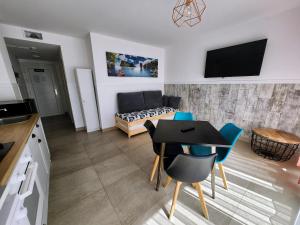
(18,133)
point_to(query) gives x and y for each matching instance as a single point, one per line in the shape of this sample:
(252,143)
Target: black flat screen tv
(235,61)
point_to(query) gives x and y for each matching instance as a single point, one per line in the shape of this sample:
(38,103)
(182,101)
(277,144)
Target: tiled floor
(102,178)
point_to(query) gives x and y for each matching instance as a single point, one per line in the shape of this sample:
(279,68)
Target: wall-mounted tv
(235,61)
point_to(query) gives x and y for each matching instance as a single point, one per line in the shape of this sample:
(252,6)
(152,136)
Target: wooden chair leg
(202,201)
(176,192)
(222,173)
(194,186)
(168,181)
(154,168)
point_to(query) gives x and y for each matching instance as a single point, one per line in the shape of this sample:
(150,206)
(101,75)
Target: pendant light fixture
(188,12)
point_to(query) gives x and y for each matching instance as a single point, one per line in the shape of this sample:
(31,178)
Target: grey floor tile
(114,169)
(95,209)
(142,156)
(132,196)
(62,166)
(99,151)
(66,150)
(65,191)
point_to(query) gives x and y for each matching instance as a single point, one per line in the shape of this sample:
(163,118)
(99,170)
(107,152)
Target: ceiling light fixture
(188,12)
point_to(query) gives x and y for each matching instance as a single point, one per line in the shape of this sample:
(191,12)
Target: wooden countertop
(18,133)
(277,135)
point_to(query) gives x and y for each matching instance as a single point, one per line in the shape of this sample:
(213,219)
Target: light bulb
(189,10)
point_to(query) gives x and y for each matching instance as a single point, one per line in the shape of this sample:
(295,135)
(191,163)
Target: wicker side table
(274,144)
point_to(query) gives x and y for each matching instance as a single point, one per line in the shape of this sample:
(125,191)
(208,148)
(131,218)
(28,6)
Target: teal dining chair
(231,133)
(184,116)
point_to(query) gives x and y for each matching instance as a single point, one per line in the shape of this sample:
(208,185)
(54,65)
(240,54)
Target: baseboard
(80,129)
(109,129)
(245,139)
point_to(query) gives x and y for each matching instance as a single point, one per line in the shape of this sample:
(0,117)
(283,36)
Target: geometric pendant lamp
(188,12)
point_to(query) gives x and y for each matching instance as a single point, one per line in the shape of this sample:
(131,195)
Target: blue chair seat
(199,150)
(231,133)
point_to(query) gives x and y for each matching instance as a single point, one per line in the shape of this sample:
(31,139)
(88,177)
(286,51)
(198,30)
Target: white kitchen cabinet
(41,154)
(25,197)
(37,156)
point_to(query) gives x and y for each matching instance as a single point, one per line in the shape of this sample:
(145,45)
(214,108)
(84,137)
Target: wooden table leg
(213,175)
(160,165)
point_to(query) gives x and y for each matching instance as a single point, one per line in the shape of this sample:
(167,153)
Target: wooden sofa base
(136,127)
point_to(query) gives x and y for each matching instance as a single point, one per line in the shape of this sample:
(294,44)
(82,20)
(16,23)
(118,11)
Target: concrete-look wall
(247,105)
(75,53)
(108,87)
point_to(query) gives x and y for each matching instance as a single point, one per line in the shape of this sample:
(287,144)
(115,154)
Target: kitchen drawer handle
(33,135)
(37,125)
(39,140)
(27,185)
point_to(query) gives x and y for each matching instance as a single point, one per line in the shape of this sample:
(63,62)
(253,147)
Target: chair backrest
(231,133)
(191,169)
(183,116)
(151,129)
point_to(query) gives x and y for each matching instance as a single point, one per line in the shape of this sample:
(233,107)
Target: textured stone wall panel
(247,105)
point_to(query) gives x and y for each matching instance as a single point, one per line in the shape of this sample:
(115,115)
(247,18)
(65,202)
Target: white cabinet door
(44,149)
(34,204)
(40,153)
(37,157)
(43,145)
(86,88)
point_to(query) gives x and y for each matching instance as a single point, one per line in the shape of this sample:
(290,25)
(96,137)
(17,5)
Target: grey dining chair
(190,169)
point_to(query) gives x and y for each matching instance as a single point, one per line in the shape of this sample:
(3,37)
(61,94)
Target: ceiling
(32,50)
(147,21)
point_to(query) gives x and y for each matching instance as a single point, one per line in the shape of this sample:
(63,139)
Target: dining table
(187,133)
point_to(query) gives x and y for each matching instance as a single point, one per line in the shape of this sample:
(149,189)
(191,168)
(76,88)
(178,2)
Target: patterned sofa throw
(129,117)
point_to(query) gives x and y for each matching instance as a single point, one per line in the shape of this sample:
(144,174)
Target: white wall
(108,87)
(186,61)
(74,53)
(8,86)
(17,69)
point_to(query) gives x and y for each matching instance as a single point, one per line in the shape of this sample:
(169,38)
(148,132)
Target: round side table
(274,144)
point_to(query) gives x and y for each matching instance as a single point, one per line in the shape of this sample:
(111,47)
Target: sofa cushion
(130,102)
(165,100)
(153,99)
(129,117)
(174,102)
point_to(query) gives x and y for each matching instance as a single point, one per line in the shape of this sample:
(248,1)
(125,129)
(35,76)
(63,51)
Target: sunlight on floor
(239,204)
(255,180)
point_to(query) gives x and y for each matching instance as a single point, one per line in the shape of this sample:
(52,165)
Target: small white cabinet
(85,84)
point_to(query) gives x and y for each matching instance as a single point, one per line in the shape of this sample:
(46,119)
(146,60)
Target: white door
(42,82)
(86,88)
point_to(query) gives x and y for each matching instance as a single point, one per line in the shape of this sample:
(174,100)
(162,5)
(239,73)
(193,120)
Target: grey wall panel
(247,105)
